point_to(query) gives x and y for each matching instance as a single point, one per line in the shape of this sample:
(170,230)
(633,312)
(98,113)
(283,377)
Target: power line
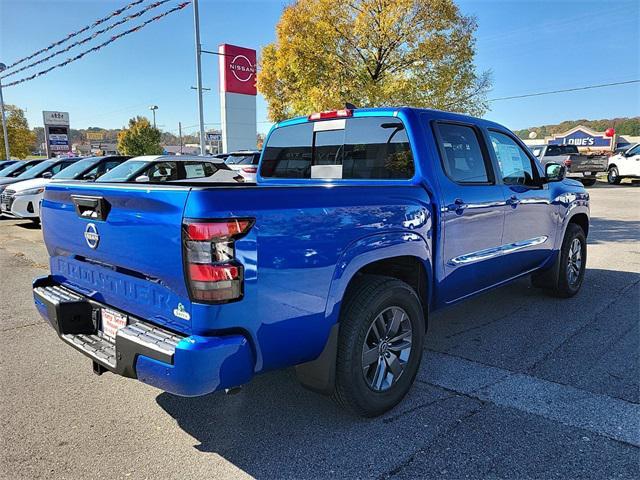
(98,47)
(90,37)
(78,32)
(588,87)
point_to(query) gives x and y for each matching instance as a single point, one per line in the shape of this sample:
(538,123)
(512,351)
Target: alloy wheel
(386,349)
(574,262)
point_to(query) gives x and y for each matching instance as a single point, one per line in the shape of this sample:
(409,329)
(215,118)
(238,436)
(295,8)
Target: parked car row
(22,184)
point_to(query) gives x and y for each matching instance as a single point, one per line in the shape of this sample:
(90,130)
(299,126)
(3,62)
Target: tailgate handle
(95,208)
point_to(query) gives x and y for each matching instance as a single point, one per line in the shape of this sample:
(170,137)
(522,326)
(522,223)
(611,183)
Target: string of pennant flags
(89,38)
(100,46)
(78,32)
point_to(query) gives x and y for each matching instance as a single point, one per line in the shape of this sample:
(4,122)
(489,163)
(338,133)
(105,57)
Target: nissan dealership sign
(56,132)
(238,97)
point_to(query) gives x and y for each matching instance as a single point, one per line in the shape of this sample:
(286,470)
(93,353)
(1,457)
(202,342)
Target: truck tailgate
(584,163)
(120,245)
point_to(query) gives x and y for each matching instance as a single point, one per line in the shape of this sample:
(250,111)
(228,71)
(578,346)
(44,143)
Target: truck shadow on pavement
(605,230)
(274,427)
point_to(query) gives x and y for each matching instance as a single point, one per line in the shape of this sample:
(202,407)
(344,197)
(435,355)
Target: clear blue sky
(529,46)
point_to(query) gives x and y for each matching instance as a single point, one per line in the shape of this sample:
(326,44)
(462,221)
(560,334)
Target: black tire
(36,221)
(369,298)
(613,176)
(566,286)
(588,182)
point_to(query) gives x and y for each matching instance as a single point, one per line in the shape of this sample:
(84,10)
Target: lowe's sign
(582,137)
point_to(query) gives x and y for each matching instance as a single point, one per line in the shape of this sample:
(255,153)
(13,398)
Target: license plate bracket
(112,321)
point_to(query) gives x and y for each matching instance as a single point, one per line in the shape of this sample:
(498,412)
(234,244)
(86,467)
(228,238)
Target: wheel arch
(402,255)
(582,220)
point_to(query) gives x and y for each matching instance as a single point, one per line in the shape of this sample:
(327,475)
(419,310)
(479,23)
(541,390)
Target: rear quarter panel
(305,246)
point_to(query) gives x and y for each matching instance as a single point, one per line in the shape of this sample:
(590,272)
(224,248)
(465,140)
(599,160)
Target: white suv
(625,164)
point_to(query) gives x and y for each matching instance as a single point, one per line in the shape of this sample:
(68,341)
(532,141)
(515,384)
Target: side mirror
(47,175)
(554,172)
(142,178)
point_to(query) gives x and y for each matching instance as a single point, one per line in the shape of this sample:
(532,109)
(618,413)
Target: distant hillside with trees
(623,126)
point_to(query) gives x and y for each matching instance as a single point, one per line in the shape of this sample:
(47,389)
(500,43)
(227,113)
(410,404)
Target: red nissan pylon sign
(237,69)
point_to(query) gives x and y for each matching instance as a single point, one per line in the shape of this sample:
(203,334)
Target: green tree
(21,139)
(372,53)
(140,138)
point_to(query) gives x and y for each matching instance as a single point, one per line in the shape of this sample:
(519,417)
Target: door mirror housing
(47,175)
(142,178)
(554,172)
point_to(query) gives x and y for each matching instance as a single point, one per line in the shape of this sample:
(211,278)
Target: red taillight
(214,273)
(567,162)
(345,112)
(250,169)
(218,230)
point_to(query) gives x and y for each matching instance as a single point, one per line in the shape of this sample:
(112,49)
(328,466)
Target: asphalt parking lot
(514,384)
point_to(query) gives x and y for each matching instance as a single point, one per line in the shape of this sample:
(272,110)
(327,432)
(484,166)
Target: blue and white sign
(582,137)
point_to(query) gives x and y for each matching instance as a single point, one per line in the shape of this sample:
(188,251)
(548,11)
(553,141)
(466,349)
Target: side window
(634,151)
(93,173)
(516,168)
(60,166)
(463,159)
(377,147)
(111,164)
(162,172)
(553,151)
(194,170)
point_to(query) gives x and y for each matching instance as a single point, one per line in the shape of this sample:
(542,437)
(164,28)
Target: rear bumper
(591,174)
(183,365)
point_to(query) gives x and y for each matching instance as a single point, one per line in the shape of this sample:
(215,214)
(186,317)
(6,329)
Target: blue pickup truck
(361,223)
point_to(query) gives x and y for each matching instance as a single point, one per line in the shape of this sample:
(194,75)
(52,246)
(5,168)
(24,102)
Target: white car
(624,165)
(22,199)
(245,163)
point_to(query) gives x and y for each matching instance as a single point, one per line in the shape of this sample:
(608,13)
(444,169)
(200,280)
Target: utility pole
(3,67)
(180,134)
(196,24)
(153,108)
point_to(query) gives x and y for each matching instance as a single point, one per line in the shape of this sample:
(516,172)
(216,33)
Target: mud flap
(319,375)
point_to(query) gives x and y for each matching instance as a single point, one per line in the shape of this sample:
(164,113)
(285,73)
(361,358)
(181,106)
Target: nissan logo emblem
(242,68)
(91,235)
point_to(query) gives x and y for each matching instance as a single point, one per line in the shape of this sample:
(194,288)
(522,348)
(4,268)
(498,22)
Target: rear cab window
(352,148)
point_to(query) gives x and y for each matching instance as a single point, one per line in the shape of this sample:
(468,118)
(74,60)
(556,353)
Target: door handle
(513,201)
(457,206)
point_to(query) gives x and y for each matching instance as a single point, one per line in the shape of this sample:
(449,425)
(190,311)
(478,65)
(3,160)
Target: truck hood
(28,184)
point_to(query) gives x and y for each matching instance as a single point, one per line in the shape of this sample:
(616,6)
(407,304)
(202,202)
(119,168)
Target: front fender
(371,249)
(569,204)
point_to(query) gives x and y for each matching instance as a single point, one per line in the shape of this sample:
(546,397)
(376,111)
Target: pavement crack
(448,431)
(619,297)
(22,326)
(475,327)
(397,416)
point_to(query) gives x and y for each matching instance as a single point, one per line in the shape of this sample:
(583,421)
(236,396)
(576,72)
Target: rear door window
(355,148)
(462,157)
